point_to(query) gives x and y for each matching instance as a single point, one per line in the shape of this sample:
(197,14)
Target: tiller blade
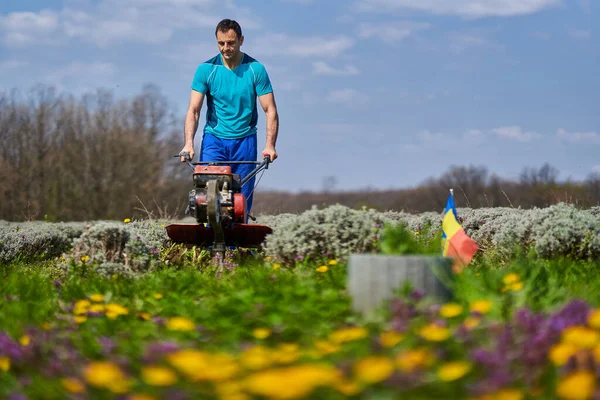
(239,235)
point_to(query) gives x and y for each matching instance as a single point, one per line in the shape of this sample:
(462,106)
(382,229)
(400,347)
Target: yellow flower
(199,366)
(231,390)
(4,364)
(180,324)
(451,310)
(85,258)
(80,319)
(581,337)
(114,310)
(286,353)
(127,220)
(322,268)
(348,388)
(511,278)
(81,307)
(189,361)
(348,334)
(453,370)
(97,308)
(97,298)
(144,315)
(560,353)
(411,360)
(221,367)
(332,262)
(261,333)
(73,385)
(275,267)
(325,347)
(104,374)
(508,394)
(515,287)
(25,340)
(158,296)
(256,357)
(390,338)
(434,333)
(294,382)
(596,354)
(594,319)
(471,322)
(373,369)
(155,375)
(578,385)
(481,306)
(268,258)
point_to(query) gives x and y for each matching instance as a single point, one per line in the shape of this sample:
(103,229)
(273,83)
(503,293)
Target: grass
(272,321)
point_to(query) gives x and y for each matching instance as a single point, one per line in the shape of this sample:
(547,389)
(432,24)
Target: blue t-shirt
(231,95)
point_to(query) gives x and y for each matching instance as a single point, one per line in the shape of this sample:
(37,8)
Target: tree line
(474,187)
(97,157)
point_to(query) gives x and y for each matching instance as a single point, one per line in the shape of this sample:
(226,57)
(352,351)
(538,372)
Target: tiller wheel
(219,207)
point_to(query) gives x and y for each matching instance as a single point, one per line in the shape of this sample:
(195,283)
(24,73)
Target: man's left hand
(270,152)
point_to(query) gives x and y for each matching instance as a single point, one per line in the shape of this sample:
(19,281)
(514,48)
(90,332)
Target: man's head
(229,38)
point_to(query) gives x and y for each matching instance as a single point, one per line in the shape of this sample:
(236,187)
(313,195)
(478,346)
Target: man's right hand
(189,150)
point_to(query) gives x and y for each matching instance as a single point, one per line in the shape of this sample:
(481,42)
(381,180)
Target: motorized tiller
(219,207)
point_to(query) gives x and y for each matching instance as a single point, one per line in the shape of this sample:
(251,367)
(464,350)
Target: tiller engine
(219,207)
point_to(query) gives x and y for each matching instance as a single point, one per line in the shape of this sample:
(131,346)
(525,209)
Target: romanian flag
(456,243)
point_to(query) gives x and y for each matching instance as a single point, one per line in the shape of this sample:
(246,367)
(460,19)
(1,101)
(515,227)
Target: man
(231,83)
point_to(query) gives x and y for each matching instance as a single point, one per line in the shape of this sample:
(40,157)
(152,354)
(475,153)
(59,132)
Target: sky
(371,94)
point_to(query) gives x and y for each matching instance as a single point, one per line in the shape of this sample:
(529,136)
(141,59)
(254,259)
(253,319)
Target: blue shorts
(244,149)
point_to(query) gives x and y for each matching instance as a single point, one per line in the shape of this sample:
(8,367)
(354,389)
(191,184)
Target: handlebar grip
(184,154)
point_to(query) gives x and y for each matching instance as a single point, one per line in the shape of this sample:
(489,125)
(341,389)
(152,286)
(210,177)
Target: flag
(455,242)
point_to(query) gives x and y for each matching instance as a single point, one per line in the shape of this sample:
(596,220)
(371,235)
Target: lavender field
(112,309)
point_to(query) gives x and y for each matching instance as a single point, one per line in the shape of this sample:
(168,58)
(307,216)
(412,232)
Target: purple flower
(417,294)
(162,348)
(9,347)
(107,344)
(574,313)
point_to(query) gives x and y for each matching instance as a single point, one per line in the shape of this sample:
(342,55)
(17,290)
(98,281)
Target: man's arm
(191,123)
(267,102)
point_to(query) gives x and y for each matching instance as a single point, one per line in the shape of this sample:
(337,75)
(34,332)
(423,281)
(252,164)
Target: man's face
(229,44)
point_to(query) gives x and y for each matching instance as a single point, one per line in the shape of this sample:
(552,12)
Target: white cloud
(348,96)
(113,21)
(460,42)
(24,28)
(580,34)
(542,35)
(516,133)
(463,8)
(596,168)
(12,65)
(80,76)
(578,137)
(472,133)
(586,6)
(391,32)
(311,46)
(427,136)
(322,68)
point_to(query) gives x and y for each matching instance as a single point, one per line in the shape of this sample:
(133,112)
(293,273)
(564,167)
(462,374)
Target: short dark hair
(228,24)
